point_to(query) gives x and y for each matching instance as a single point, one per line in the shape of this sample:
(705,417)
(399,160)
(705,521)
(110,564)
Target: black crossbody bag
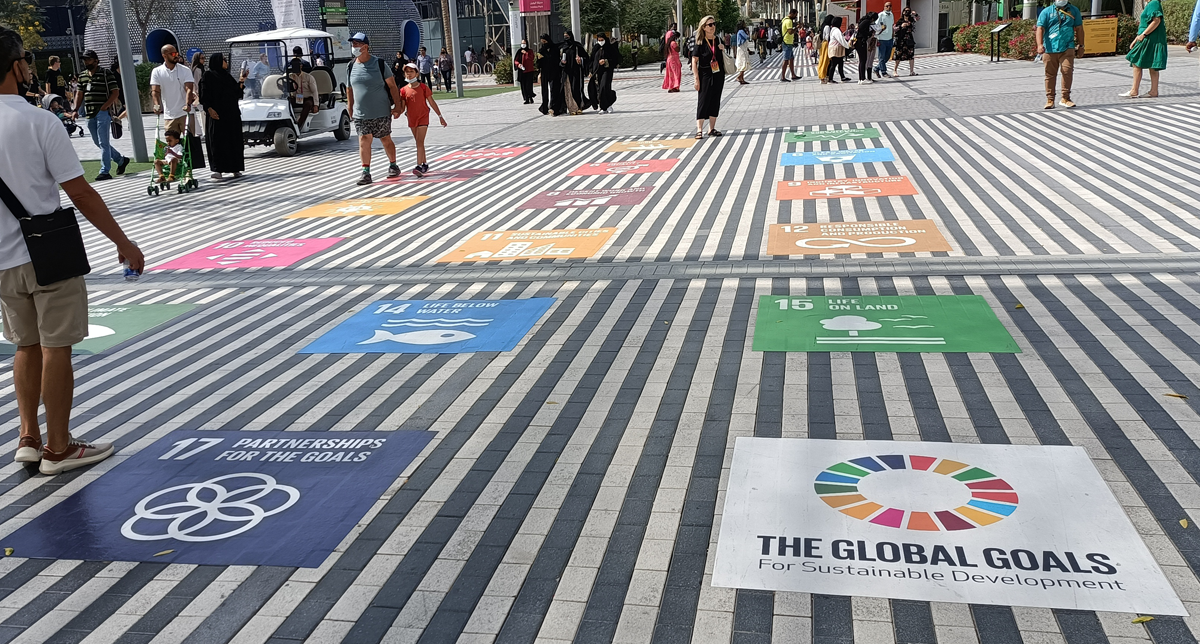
(54,241)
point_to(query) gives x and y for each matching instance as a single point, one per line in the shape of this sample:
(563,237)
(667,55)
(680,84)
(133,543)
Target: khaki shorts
(177,124)
(52,316)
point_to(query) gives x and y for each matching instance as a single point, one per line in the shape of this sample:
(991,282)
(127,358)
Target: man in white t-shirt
(44,321)
(172,89)
(886,23)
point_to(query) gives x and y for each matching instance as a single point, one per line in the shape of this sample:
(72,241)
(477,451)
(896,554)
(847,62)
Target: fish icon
(428,336)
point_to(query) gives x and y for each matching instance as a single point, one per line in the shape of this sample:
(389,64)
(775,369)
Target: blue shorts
(789,52)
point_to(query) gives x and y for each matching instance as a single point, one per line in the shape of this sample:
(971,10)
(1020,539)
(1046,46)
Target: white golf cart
(271,119)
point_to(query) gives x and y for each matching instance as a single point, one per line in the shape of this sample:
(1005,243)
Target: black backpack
(350,68)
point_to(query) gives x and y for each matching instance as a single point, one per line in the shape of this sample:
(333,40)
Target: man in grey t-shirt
(373,100)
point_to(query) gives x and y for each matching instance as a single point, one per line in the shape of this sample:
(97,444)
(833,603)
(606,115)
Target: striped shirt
(96,88)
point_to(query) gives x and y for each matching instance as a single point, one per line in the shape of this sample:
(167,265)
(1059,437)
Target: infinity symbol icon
(838,242)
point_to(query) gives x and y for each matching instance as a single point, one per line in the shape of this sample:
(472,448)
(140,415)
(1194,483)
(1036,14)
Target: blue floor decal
(433,326)
(225,498)
(819,157)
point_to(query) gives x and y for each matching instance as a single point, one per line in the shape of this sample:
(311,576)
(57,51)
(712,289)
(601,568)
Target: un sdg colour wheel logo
(991,499)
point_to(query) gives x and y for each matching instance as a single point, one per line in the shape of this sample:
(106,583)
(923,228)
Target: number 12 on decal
(796,305)
(789,228)
(205,443)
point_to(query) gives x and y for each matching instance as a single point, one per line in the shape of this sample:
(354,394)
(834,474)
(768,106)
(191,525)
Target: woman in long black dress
(708,68)
(551,73)
(905,47)
(572,59)
(605,58)
(219,94)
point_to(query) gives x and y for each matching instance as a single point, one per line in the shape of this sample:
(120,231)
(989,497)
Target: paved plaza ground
(566,479)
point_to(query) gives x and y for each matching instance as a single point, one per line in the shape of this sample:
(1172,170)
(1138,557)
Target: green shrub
(142,70)
(1018,41)
(1178,17)
(646,54)
(1127,30)
(504,71)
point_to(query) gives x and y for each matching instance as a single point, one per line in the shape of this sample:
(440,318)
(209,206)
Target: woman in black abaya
(572,59)
(219,94)
(708,68)
(551,72)
(605,58)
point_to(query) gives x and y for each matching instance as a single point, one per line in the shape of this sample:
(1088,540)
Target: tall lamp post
(454,51)
(129,79)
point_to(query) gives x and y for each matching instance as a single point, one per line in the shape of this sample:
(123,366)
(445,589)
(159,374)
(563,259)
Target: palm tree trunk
(446,38)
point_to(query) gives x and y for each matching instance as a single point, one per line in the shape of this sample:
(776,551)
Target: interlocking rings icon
(870,242)
(209,502)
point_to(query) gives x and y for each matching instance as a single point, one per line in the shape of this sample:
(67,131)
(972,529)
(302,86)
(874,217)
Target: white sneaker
(868,82)
(29,450)
(77,454)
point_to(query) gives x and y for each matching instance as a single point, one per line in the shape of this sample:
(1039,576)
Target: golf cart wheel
(285,142)
(343,131)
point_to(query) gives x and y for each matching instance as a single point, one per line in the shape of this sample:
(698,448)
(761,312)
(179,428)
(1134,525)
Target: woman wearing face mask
(708,68)
(905,44)
(571,57)
(551,73)
(524,62)
(605,58)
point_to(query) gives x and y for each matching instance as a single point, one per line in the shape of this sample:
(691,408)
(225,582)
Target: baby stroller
(183,173)
(58,107)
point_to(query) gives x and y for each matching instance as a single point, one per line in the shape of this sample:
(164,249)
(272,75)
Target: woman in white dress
(742,45)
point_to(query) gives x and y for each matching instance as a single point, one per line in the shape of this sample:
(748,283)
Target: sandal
(715,133)
(1127,94)
(699,135)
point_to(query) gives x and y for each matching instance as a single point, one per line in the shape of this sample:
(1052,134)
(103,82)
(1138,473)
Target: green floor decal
(895,323)
(831,135)
(111,325)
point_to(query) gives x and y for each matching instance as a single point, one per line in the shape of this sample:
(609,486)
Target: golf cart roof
(280,34)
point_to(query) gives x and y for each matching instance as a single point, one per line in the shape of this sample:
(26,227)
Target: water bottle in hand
(130,274)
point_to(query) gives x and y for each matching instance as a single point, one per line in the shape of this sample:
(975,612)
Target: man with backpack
(373,101)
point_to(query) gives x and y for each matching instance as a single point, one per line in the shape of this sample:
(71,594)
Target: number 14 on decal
(796,305)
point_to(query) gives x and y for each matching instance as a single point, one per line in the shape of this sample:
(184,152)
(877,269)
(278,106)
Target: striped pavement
(574,487)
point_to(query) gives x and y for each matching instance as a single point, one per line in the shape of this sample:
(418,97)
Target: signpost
(1012,525)
(994,55)
(1100,35)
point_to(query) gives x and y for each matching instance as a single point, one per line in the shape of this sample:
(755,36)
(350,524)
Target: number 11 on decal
(487,236)
(205,443)
(797,305)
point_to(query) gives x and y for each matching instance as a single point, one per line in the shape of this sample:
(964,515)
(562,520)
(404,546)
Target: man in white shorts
(44,321)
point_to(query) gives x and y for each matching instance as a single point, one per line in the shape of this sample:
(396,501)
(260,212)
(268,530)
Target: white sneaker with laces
(77,454)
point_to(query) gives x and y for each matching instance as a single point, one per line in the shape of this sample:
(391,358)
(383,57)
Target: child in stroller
(58,106)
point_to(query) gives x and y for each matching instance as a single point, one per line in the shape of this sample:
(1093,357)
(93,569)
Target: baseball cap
(411,65)
(91,53)
(360,37)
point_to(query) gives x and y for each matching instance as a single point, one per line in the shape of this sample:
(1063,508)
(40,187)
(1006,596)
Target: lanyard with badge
(714,64)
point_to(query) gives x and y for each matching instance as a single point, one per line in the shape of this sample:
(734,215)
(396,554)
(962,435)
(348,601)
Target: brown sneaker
(77,454)
(1049,104)
(29,450)
(1066,102)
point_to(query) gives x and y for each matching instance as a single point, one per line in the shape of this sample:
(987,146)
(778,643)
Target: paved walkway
(573,487)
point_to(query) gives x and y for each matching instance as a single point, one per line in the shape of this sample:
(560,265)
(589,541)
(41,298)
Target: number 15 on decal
(796,305)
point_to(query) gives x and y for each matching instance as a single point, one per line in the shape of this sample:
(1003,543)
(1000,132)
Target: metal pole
(576,29)
(516,30)
(679,16)
(458,77)
(74,38)
(129,80)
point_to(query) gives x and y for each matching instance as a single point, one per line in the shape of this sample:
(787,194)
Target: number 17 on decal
(796,305)
(205,443)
